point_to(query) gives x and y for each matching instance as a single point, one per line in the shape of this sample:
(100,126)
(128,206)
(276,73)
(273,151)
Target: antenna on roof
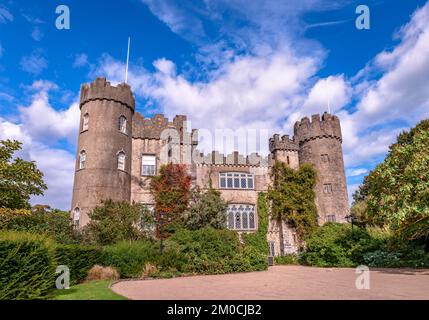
(128,59)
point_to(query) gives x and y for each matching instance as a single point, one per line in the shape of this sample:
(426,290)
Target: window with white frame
(236,180)
(76,216)
(82,160)
(122,124)
(148,165)
(85,124)
(121,160)
(241,217)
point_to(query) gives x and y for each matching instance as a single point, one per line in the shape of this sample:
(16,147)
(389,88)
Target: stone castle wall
(316,141)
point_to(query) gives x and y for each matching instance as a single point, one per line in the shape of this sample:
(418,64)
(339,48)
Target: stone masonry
(119,150)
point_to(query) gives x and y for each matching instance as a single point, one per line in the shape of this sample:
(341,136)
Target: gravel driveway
(283,282)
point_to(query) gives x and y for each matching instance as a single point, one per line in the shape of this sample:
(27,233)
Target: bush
(287,259)
(54,223)
(337,245)
(98,272)
(207,251)
(79,259)
(27,265)
(130,258)
(114,221)
(206,209)
(394,255)
(256,244)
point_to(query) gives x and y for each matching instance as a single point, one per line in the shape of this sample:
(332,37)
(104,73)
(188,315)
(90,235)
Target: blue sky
(226,64)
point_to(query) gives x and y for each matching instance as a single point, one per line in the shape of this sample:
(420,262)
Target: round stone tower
(103,161)
(320,145)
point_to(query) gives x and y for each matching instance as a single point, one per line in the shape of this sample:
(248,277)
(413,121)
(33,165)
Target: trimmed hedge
(129,258)
(27,265)
(79,259)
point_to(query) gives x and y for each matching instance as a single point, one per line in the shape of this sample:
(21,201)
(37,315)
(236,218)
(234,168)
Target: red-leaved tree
(171,190)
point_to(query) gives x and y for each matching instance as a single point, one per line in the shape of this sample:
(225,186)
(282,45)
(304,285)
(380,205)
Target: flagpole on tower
(128,59)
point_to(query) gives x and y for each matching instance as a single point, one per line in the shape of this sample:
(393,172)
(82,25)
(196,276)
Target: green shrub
(114,221)
(206,209)
(287,259)
(397,256)
(256,244)
(207,251)
(337,245)
(27,265)
(129,258)
(54,223)
(79,259)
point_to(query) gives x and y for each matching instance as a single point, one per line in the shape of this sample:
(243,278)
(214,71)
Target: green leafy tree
(19,179)
(206,209)
(114,221)
(292,197)
(397,191)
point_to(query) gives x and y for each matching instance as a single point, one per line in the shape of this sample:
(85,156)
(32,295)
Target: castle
(119,150)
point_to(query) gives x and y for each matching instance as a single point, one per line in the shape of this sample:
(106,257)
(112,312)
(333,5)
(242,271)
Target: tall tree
(397,191)
(19,179)
(171,191)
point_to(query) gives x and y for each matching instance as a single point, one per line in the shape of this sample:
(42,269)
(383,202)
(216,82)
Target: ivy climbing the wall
(256,245)
(292,197)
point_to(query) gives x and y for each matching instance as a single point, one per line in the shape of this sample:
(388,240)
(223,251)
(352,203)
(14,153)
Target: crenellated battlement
(158,128)
(283,143)
(326,127)
(101,89)
(217,158)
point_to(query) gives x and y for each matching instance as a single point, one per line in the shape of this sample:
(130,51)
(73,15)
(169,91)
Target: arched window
(82,160)
(76,216)
(121,160)
(122,124)
(85,124)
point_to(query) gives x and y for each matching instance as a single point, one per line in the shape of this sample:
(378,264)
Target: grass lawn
(94,290)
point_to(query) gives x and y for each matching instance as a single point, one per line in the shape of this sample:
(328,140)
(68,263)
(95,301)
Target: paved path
(283,282)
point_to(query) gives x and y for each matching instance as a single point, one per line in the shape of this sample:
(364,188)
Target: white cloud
(34,63)
(398,99)
(37,34)
(80,60)
(39,129)
(5,15)
(44,122)
(356,172)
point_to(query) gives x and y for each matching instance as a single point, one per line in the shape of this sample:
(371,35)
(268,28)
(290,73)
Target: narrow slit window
(85,124)
(82,160)
(122,124)
(121,161)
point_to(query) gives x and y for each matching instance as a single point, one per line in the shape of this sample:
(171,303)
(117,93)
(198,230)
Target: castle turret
(103,162)
(285,150)
(320,145)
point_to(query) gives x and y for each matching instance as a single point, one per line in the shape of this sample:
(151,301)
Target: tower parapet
(283,143)
(327,127)
(101,89)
